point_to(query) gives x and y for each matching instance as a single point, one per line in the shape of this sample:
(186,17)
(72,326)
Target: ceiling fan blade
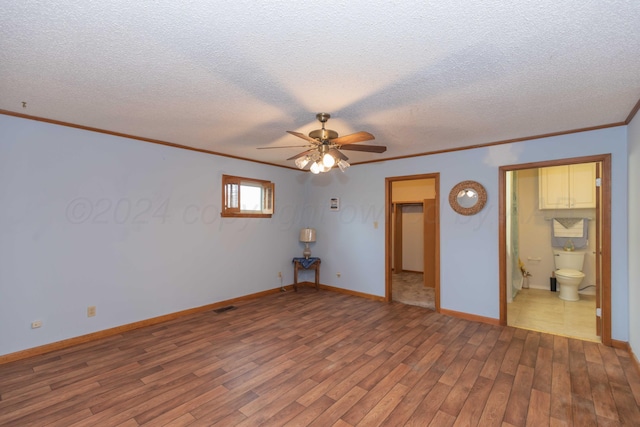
(303,136)
(338,154)
(304,153)
(353,138)
(283,146)
(368,148)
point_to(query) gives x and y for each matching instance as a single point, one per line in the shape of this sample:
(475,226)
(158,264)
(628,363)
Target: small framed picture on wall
(335,204)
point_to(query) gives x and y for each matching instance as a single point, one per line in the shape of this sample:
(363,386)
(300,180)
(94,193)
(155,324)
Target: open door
(603,237)
(397,238)
(598,257)
(430,221)
(429,215)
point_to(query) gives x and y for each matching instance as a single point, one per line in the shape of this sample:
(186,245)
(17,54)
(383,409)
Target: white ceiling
(232,75)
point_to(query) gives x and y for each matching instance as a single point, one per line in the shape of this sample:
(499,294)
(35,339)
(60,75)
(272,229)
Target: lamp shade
(308,235)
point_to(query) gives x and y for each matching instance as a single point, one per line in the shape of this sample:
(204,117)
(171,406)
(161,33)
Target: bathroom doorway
(528,210)
(412,240)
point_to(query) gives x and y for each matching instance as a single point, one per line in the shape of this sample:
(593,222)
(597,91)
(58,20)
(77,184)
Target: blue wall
(134,228)
(131,227)
(468,245)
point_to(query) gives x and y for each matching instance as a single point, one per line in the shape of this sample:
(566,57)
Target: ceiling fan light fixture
(328,160)
(315,168)
(324,146)
(343,165)
(301,162)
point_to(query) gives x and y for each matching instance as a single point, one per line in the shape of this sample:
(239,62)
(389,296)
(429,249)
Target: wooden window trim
(268,197)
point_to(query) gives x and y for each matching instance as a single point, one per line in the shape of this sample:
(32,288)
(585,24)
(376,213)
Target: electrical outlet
(36,324)
(375,224)
(338,274)
(91,311)
(280,274)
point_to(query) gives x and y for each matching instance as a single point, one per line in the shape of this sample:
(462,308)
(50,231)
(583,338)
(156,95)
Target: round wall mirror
(468,197)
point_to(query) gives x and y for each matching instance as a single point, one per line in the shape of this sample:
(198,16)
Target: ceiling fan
(323,152)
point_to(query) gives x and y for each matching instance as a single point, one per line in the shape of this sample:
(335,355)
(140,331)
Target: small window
(247,197)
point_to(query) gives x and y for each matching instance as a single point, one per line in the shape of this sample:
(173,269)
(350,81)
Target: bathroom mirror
(468,197)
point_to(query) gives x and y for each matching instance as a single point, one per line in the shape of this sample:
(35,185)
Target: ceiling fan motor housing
(323,134)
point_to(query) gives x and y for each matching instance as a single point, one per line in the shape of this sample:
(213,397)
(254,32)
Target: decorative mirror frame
(477,187)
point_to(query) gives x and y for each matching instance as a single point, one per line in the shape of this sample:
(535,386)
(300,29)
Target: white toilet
(569,273)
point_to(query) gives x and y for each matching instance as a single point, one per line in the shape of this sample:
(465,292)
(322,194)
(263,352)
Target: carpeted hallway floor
(408,288)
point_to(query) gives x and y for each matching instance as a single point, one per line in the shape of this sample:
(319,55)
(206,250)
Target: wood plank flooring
(320,359)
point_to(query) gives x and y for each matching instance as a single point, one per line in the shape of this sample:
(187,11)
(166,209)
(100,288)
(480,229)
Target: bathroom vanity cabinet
(567,186)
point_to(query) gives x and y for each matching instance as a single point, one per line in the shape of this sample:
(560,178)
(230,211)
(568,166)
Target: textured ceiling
(232,75)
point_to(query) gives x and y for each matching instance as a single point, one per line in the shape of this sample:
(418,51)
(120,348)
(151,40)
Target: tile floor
(408,288)
(542,310)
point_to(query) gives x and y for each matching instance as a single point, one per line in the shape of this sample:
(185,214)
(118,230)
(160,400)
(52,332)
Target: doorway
(412,240)
(530,178)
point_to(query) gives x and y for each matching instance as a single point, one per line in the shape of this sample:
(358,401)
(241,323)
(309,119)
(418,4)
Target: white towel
(576,230)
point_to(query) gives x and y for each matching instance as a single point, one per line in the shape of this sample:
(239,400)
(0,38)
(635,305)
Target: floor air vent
(223,309)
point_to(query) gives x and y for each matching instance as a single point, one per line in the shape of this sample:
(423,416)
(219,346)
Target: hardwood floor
(320,359)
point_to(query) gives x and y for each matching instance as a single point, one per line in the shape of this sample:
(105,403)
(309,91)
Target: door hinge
(598,182)
(598,312)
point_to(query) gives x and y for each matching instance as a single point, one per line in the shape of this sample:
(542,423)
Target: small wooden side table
(306,264)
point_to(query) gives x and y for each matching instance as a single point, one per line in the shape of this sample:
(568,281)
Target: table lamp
(307,235)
